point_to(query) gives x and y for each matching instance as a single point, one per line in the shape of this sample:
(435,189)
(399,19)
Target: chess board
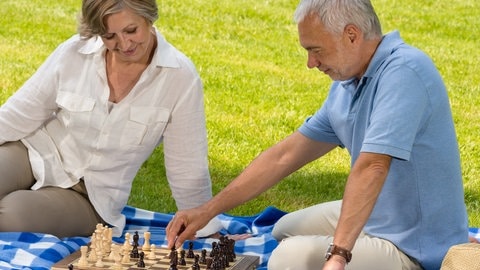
(161,261)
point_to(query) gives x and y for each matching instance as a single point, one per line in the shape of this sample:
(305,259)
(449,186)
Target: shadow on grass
(301,189)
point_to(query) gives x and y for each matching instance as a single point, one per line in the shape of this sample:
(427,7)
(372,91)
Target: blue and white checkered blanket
(41,251)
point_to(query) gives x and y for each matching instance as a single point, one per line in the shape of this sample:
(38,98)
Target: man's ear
(352,32)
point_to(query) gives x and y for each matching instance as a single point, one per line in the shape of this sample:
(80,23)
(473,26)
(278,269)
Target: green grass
(257,87)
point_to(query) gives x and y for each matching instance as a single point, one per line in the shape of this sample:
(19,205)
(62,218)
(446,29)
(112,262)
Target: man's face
(333,54)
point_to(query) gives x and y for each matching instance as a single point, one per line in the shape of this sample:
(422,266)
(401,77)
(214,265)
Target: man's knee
(299,252)
(280,228)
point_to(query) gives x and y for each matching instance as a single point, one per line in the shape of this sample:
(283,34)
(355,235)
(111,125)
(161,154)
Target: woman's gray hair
(94,12)
(336,14)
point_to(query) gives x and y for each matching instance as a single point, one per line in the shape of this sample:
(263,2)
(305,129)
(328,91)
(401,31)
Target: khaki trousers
(304,237)
(51,210)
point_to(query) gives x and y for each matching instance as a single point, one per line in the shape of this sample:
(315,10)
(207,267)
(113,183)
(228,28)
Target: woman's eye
(131,31)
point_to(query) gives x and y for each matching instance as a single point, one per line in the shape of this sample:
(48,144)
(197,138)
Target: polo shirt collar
(388,44)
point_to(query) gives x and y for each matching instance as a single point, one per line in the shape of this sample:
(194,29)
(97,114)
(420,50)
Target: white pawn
(117,258)
(126,244)
(82,262)
(99,262)
(113,250)
(93,252)
(151,255)
(126,256)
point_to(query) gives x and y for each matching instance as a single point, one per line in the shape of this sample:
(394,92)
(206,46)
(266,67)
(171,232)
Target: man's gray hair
(336,14)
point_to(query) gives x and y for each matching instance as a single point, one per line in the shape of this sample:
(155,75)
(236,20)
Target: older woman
(75,134)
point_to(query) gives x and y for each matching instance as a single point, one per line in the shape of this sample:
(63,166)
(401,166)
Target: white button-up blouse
(63,116)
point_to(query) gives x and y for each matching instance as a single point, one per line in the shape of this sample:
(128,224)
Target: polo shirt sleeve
(400,108)
(318,128)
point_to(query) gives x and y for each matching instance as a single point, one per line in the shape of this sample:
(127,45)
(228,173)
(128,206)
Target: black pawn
(190,253)
(141,263)
(209,263)
(182,260)
(203,257)
(195,265)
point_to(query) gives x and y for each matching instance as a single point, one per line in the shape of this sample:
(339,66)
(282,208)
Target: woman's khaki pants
(51,210)
(304,237)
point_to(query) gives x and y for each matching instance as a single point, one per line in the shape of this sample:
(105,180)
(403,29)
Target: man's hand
(184,225)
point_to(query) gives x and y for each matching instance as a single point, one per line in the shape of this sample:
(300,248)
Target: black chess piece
(141,263)
(190,253)
(203,257)
(136,237)
(172,250)
(182,260)
(134,253)
(209,263)
(195,265)
(173,267)
(214,249)
(174,257)
(70,266)
(173,260)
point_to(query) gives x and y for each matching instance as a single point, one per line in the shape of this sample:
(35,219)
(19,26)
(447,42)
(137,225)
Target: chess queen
(73,137)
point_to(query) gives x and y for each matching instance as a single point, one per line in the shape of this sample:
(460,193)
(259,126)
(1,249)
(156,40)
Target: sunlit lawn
(257,87)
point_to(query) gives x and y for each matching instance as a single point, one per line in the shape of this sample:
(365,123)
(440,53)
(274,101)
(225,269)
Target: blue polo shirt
(400,108)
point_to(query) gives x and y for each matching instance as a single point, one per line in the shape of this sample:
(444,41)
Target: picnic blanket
(20,250)
(41,251)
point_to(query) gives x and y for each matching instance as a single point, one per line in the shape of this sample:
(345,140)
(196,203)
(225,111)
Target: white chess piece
(82,262)
(151,255)
(99,251)
(117,257)
(92,257)
(126,244)
(146,243)
(113,249)
(126,256)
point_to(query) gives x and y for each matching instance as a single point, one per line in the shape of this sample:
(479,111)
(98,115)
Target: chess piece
(173,260)
(182,260)
(92,257)
(209,263)
(196,265)
(214,249)
(99,252)
(126,244)
(134,253)
(141,263)
(117,257)
(203,257)
(83,262)
(146,242)
(113,250)
(126,256)
(136,237)
(151,255)
(190,253)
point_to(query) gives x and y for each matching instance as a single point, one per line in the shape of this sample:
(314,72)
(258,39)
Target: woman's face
(129,36)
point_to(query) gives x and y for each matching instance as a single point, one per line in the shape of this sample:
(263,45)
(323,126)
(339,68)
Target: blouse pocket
(145,126)
(75,110)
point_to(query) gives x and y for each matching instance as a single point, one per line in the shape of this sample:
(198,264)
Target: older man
(403,204)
